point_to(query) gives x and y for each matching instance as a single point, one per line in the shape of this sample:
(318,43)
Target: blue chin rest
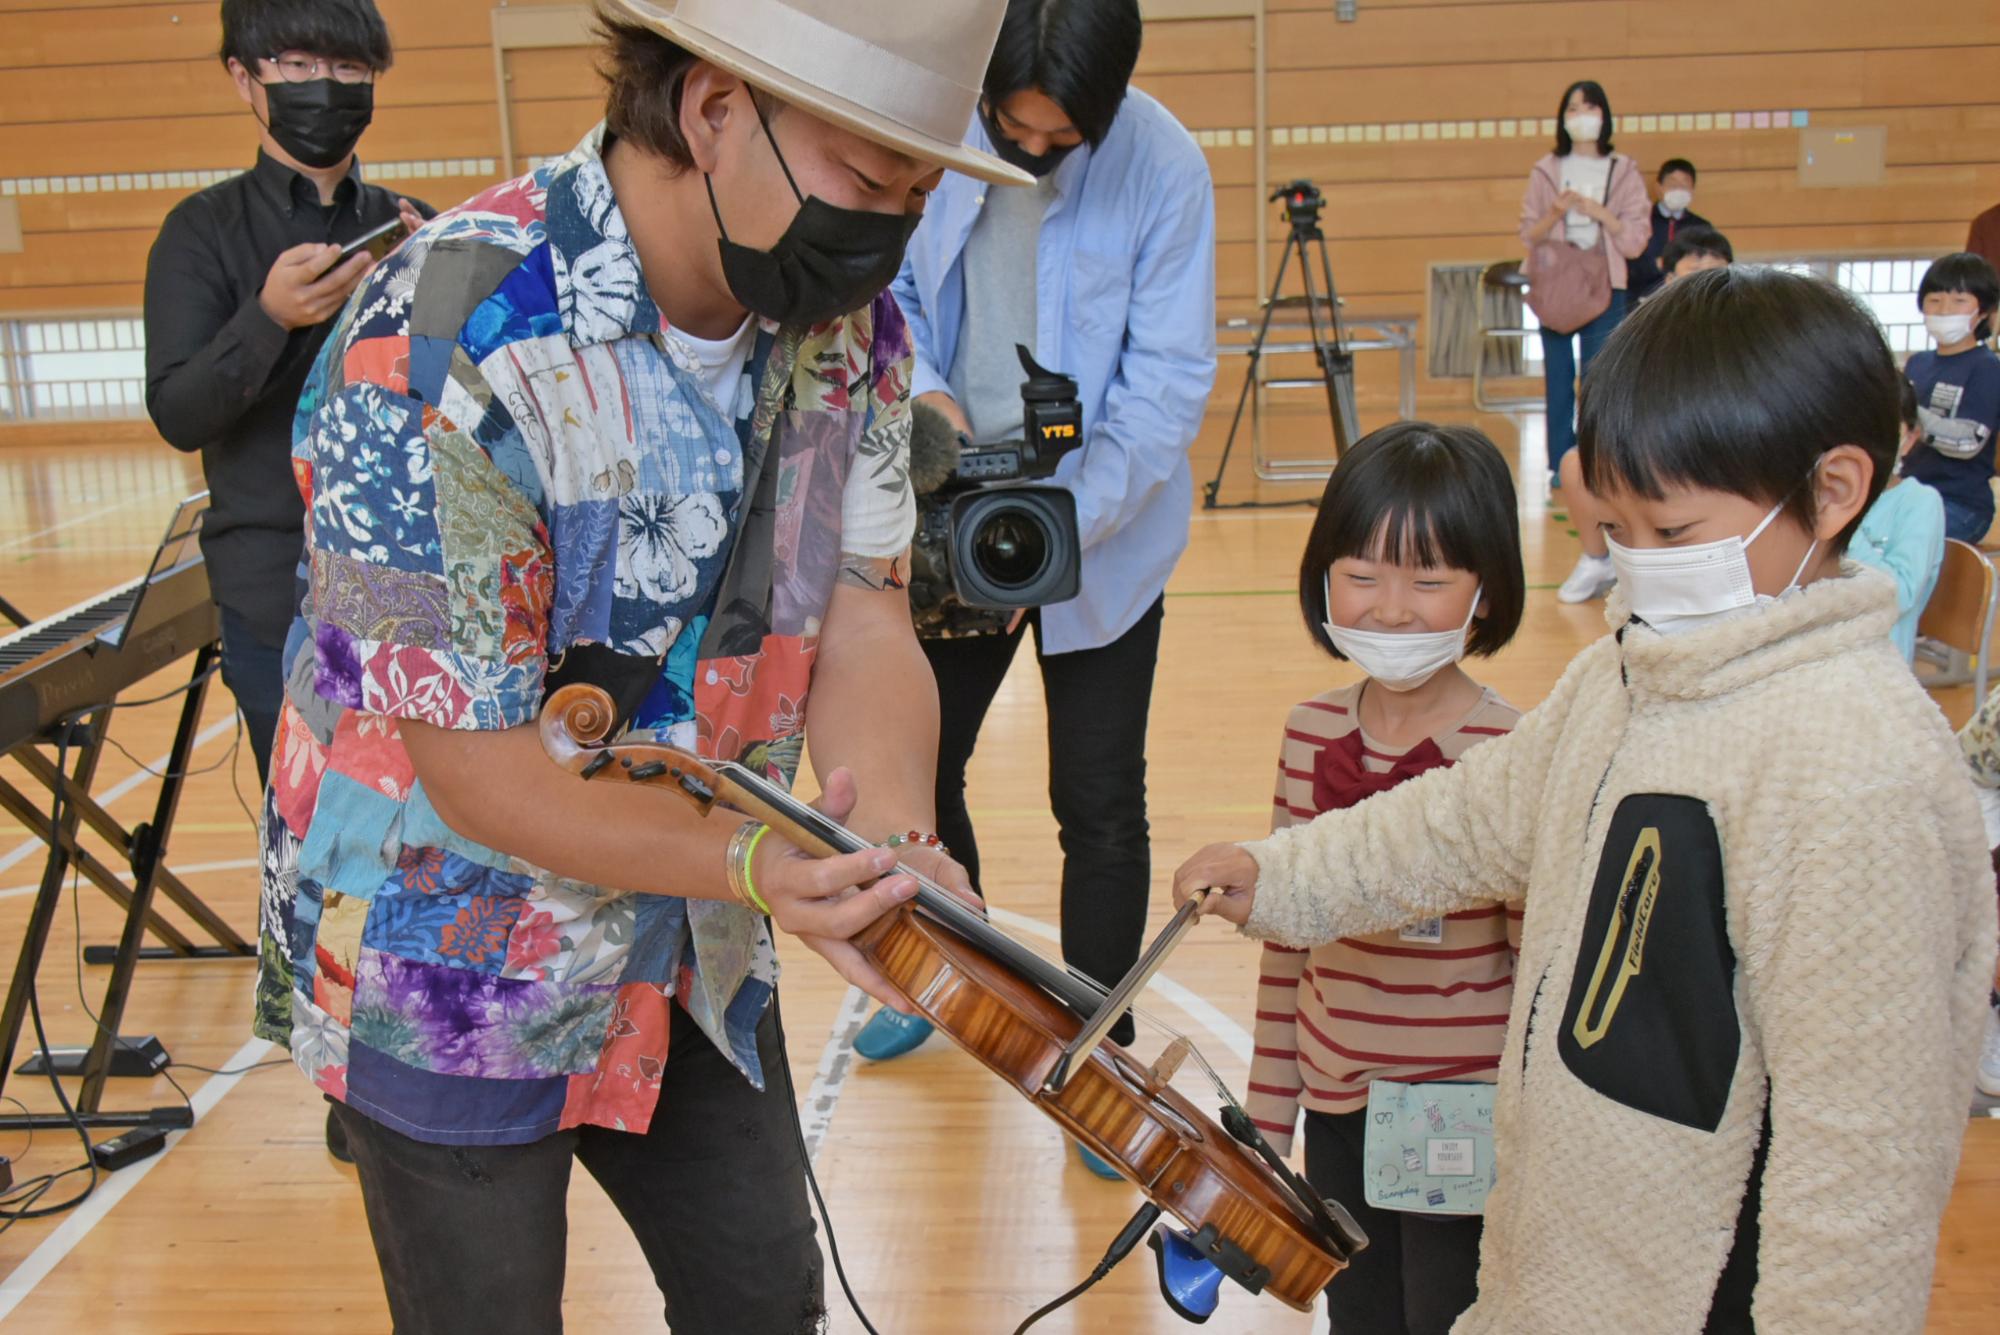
(1189,1281)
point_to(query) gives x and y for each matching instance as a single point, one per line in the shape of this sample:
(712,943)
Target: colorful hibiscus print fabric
(510,462)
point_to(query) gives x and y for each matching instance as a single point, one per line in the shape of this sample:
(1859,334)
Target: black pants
(254,672)
(1418,1273)
(1098,701)
(471,1239)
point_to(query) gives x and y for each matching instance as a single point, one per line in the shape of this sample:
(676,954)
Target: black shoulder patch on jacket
(1651,1016)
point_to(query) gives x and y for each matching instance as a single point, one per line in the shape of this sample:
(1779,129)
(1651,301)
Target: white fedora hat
(903,73)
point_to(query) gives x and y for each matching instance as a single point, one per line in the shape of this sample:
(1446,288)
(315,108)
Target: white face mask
(1584,127)
(1399,660)
(1676,589)
(1677,201)
(1950,328)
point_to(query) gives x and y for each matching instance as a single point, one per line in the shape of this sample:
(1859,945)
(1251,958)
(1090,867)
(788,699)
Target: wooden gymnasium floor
(957,1208)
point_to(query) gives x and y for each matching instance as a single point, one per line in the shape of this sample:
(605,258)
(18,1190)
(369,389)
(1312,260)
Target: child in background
(1414,561)
(1958,392)
(1760,923)
(1902,535)
(1695,250)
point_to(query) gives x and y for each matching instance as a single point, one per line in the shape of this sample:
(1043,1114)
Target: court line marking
(126,878)
(836,1062)
(114,1187)
(128,783)
(68,523)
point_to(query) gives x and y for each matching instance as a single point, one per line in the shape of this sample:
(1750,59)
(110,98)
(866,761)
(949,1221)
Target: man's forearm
(874,710)
(501,789)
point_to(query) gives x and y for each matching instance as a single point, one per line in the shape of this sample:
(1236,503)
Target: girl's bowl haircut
(1738,380)
(1425,495)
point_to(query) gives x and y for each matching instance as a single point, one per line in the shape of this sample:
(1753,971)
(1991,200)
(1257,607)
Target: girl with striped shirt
(1414,561)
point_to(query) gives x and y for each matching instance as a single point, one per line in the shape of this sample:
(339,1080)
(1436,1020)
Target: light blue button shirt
(1125,290)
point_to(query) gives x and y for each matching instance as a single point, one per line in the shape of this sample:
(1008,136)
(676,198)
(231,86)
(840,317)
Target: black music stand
(162,597)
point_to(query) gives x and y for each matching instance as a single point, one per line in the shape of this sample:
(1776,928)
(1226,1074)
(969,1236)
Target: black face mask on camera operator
(1037,165)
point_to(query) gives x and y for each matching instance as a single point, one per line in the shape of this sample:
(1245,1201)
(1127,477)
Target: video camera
(990,541)
(1302,200)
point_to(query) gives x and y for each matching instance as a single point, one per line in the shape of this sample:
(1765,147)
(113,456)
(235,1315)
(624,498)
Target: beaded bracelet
(916,838)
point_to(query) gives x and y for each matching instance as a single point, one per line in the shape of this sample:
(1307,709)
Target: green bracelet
(749,883)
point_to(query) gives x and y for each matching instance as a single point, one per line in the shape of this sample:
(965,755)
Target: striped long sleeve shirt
(1428,1002)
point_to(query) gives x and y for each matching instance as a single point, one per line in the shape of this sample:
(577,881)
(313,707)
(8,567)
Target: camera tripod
(1302,202)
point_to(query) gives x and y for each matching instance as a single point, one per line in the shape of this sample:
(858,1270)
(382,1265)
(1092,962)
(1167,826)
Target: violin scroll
(575,719)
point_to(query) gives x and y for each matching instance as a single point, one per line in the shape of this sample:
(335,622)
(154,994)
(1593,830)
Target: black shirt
(1644,274)
(223,378)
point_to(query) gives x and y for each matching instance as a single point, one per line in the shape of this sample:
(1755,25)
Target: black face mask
(830,261)
(1011,153)
(319,121)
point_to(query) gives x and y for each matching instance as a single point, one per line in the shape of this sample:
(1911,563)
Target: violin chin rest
(1189,1281)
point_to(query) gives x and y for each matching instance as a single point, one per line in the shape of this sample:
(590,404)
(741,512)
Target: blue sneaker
(891,1034)
(1097,1165)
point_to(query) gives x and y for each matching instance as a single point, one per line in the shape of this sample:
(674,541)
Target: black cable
(182,689)
(805,1158)
(231,1070)
(23,1202)
(1121,1247)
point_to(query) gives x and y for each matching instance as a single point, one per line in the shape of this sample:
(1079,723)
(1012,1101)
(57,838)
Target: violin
(1026,1020)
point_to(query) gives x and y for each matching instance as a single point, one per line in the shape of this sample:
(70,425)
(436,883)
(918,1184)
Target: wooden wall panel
(159,102)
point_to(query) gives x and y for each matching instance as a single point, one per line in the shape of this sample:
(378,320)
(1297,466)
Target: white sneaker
(1591,580)
(1988,1078)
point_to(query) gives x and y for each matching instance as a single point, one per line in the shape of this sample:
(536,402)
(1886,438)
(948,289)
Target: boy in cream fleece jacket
(1759,914)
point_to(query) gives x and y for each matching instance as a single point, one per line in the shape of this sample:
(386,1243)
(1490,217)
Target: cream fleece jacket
(1858,903)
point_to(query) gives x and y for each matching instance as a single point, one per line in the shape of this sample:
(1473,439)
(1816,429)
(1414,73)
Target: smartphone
(377,242)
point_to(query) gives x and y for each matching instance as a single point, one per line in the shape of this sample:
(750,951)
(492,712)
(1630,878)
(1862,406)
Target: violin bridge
(1161,1073)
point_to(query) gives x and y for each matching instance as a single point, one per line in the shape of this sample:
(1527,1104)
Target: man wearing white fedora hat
(637,419)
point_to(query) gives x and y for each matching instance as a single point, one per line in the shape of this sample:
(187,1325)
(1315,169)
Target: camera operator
(1106,270)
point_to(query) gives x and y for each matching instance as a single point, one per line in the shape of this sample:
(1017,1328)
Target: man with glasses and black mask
(1105,270)
(640,420)
(240,287)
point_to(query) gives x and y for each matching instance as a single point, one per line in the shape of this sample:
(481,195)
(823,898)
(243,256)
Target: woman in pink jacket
(1591,197)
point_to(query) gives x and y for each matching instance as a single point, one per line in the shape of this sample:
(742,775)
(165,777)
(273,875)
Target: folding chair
(1959,619)
(1503,276)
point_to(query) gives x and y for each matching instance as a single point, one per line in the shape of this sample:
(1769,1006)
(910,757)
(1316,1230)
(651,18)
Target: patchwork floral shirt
(515,476)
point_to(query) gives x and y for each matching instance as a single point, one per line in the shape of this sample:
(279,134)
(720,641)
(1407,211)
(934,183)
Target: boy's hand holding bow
(1228,871)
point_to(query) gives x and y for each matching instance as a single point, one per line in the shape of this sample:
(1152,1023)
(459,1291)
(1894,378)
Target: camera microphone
(934,448)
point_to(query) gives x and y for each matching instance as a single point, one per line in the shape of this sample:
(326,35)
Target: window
(1888,287)
(72,368)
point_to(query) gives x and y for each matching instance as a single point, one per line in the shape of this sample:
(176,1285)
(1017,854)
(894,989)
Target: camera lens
(1012,548)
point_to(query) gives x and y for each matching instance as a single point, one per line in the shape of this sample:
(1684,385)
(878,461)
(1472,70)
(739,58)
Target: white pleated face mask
(1398,660)
(1950,328)
(1677,589)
